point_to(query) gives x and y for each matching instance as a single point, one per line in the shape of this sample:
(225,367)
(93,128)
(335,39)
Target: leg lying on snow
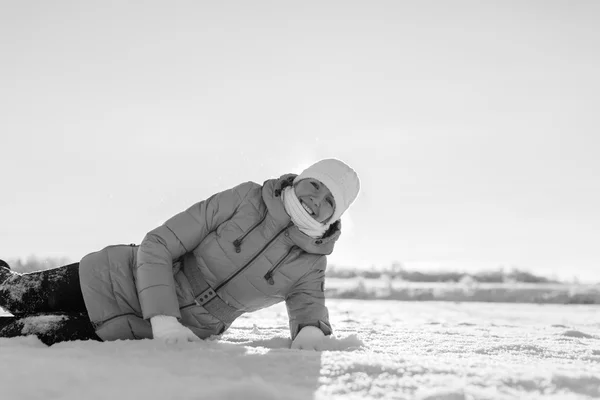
(52,290)
(49,328)
(5,272)
(5,320)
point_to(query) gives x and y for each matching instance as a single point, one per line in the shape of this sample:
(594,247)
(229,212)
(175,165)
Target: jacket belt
(205,295)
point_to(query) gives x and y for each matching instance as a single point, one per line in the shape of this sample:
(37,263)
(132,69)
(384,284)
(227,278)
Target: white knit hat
(339,178)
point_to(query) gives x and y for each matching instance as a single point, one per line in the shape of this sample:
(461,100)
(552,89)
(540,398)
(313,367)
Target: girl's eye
(330,202)
(315,185)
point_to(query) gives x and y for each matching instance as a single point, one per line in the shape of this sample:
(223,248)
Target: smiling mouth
(307,208)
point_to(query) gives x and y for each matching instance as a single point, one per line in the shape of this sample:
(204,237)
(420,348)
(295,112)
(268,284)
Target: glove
(170,331)
(309,338)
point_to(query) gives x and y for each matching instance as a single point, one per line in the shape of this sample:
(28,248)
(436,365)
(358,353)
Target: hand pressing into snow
(170,331)
(309,338)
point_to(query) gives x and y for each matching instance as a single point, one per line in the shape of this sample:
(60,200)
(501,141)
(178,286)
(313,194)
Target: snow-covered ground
(382,350)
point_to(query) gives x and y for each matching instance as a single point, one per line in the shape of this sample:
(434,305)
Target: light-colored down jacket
(232,253)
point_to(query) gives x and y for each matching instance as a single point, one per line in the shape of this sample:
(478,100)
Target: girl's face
(316,199)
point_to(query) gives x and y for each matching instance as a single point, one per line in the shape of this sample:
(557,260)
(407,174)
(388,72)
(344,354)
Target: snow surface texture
(383,350)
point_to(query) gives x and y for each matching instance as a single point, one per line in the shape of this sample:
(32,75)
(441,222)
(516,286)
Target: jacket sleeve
(306,301)
(180,234)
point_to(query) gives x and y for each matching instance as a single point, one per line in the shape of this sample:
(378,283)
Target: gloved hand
(170,331)
(309,338)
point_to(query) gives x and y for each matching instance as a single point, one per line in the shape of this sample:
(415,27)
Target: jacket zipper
(225,282)
(237,243)
(269,274)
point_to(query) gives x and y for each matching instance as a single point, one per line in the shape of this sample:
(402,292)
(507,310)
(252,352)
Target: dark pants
(48,304)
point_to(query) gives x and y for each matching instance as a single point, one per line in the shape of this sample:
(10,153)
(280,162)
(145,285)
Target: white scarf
(300,217)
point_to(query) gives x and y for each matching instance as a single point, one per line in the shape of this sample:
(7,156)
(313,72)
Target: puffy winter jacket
(232,253)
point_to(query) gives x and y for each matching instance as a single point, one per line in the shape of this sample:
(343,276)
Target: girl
(238,251)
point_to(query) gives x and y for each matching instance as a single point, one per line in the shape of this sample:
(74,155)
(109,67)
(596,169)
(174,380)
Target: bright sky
(474,126)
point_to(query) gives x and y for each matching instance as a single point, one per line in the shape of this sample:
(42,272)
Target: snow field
(382,350)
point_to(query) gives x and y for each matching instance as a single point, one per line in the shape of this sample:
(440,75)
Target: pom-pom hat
(339,178)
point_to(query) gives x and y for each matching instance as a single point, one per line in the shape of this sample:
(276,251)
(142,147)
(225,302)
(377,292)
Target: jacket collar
(271,193)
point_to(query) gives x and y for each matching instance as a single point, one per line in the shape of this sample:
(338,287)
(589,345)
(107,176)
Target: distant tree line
(33,263)
(398,272)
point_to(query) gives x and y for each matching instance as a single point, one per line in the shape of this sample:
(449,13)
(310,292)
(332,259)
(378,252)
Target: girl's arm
(306,301)
(177,236)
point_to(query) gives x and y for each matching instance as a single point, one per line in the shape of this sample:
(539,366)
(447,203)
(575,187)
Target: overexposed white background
(473,125)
